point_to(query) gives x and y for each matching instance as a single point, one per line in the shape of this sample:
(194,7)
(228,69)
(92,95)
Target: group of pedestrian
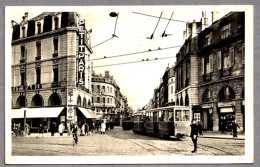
(88,128)
(18,130)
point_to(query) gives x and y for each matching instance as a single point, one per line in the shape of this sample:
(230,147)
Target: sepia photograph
(129,84)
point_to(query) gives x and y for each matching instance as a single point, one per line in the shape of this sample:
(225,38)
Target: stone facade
(44,65)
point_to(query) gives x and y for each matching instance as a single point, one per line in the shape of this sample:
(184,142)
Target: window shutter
(219,60)
(211,63)
(202,65)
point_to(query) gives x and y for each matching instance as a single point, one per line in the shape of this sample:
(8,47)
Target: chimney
(194,28)
(204,21)
(188,30)
(26,16)
(215,16)
(184,36)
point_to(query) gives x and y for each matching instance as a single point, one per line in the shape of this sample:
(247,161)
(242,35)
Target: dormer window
(225,31)
(39,28)
(55,43)
(207,40)
(56,23)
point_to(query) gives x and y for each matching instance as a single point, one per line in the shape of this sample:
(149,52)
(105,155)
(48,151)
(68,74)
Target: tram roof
(168,108)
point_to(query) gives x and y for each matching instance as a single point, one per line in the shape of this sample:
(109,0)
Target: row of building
(209,72)
(52,78)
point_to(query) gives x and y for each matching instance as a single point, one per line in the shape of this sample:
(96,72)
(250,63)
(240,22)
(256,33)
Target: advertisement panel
(81,53)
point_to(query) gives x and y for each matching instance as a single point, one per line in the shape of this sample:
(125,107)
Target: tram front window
(186,115)
(178,115)
(171,116)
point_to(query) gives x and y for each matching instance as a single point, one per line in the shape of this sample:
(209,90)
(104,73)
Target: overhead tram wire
(158,17)
(132,62)
(128,54)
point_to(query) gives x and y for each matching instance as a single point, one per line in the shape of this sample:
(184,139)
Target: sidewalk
(218,135)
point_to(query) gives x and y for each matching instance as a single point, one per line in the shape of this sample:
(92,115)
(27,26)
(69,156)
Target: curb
(219,137)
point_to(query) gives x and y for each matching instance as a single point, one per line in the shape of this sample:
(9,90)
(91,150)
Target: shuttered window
(219,60)
(231,56)
(211,63)
(202,65)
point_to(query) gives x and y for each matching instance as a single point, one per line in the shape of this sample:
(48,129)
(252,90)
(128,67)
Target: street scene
(123,82)
(118,143)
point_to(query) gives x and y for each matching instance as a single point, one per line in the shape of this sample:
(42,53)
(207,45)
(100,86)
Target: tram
(164,122)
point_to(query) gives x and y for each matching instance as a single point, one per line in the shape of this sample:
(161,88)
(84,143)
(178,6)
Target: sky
(137,81)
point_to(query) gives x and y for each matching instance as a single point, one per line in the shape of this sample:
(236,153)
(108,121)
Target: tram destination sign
(81,52)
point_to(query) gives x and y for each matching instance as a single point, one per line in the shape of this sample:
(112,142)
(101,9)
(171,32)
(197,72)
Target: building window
(92,98)
(219,62)
(171,80)
(225,31)
(55,75)
(38,48)
(56,23)
(98,89)
(206,96)
(103,89)
(226,93)
(23,75)
(231,56)
(38,75)
(104,100)
(207,66)
(207,40)
(22,52)
(98,99)
(23,32)
(92,88)
(55,43)
(202,66)
(226,62)
(39,27)
(107,100)
(110,89)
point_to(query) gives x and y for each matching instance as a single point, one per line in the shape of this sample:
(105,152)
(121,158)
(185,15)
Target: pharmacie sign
(81,53)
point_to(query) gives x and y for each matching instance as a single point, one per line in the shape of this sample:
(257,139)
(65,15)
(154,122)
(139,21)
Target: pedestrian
(52,129)
(194,134)
(103,128)
(75,130)
(41,130)
(61,129)
(68,128)
(83,129)
(111,125)
(200,127)
(223,126)
(27,127)
(107,125)
(234,126)
(97,125)
(87,129)
(93,126)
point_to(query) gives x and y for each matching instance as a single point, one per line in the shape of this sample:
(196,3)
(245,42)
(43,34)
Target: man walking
(194,134)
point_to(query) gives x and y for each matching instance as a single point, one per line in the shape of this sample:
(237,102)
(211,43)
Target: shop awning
(88,113)
(48,112)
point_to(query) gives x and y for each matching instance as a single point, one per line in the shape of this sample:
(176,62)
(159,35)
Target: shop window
(20,101)
(226,93)
(206,96)
(54,100)
(38,75)
(37,100)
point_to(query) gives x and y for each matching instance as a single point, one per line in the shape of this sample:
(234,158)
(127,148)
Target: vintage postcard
(129,84)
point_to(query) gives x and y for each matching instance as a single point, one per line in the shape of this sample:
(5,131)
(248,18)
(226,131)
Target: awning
(43,112)
(88,113)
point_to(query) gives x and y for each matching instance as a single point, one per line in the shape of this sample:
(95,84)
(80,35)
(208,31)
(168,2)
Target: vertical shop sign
(81,52)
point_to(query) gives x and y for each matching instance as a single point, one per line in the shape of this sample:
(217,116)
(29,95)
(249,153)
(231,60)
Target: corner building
(46,70)
(221,73)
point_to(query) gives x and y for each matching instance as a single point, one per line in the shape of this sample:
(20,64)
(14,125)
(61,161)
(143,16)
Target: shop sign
(70,113)
(227,110)
(226,104)
(81,52)
(207,105)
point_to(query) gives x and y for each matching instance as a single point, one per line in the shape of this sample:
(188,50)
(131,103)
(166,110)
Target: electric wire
(158,17)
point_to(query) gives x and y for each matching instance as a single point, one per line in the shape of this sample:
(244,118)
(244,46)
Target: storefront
(36,116)
(226,115)
(207,116)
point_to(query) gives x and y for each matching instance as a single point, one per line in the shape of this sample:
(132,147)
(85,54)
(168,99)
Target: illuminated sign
(81,54)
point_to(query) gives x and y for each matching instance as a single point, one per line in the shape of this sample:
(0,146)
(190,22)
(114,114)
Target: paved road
(119,142)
